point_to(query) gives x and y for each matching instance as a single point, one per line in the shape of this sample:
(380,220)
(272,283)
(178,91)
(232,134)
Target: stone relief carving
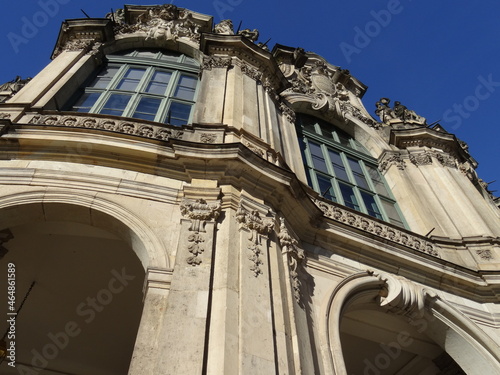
(5,116)
(287,112)
(224,27)
(258,227)
(165,22)
(445,159)
(211,62)
(402,296)
(296,255)
(9,89)
(384,231)
(485,254)
(421,158)
(318,84)
(208,138)
(199,211)
(390,159)
(126,127)
(253,35)
(398,111)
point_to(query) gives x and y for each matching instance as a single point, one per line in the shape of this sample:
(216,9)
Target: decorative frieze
(119,126)
(371,226)
(295,256)
(258,227)
(199,211)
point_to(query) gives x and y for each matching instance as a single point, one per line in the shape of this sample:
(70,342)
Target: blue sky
(437,58)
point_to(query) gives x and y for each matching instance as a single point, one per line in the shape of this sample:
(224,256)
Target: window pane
(349,197)
(325,187)
(131,79)
(377,181)
(358,173)
(371,205)
(317,157)
(392,213)
(159,83)
(115,104)
(178,113)
(104,77)
(186,88)
(86,101)
(147,108)
(338,165)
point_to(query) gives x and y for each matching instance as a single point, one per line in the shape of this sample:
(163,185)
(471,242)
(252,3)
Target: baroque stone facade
(211,243)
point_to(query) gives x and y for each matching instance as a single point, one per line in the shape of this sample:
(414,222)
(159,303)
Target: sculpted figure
(224,27)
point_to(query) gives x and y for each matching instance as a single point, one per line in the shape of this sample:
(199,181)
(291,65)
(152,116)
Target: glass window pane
(115,104)
(147,108)
(104,77)
(131,79)
(349,197)
(326,188)
(178,113)
(159,83)
(377,181)
(358,173)
(86,101)
(338,165)
(186,88)
(392,213)
(371,205)
(317,157)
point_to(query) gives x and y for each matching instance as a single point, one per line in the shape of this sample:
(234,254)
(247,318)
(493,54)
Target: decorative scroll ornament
(402,296)
(258,227)
(199,211)
(386,232)
(390,159)
(296,255)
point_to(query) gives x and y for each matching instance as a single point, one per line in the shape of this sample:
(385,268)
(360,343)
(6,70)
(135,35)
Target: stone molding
(119,126)
(295,256)
(388,159)
(215,62)
(383,231)
(258,227)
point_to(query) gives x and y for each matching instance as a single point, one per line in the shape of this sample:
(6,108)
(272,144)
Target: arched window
(145,84)
(341,170)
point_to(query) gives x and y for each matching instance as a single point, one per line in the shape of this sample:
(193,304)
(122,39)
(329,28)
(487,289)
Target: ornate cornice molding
(383,231)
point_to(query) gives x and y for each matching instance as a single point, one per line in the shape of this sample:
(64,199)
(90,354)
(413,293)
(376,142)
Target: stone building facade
(176,198)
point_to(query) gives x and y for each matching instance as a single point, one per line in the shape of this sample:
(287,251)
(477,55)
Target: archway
(381,324)
(83,311)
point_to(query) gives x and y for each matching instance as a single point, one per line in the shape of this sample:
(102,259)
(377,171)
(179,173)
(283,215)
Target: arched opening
(382,324)
(82,314)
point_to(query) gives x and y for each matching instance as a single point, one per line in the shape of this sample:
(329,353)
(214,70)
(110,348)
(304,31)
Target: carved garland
(295,256)
(258,228)
(119,126)
(199,211)
(371,226)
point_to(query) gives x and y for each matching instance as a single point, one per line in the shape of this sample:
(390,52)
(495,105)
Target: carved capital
(200,211)
(421,158)
(390,159)
(211,62)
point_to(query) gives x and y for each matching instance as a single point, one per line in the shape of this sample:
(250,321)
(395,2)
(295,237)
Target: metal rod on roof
(85,13)
(237,31)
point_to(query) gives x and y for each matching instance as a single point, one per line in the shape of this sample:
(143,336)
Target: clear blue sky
(438,58)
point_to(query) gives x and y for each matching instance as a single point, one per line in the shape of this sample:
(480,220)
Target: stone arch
(471,348)
(20,208)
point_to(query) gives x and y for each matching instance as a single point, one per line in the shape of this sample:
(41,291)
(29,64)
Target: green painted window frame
(340,169)
(166,107)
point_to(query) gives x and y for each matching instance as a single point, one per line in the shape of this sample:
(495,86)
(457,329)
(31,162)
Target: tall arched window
(341,170)
(145,84)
